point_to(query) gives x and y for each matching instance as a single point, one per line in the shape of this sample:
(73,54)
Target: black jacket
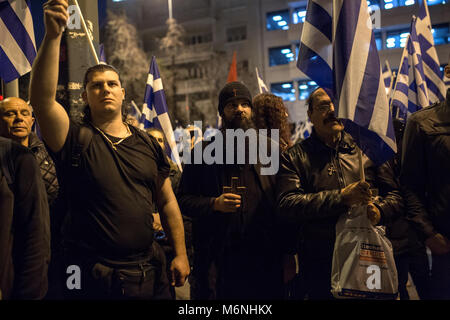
(214,232)
(46,165)
(425,173)
(308,187)
(24,225)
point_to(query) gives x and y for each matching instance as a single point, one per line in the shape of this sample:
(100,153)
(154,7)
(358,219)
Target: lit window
(305,87)
(278,20)
(284,90)
(280,55)
(299,15)
(433,2)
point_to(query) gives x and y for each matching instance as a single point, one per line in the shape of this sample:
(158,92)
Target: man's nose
(240,108)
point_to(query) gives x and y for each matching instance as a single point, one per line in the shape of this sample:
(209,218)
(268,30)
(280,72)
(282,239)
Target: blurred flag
(410,92)
(262,86)
(155,112)
(387,76)
(17,44)
(135,112)
(433,73)
(338,52)
(232,74)
(101,49)
(303,130)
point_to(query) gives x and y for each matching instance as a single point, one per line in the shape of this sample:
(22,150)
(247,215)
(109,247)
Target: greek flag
(411,92)
(433,74)
(387,76)
(338,52)
(262,86)
(17,44)
(155,112)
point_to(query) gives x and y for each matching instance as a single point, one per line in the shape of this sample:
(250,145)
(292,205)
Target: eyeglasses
(324,106)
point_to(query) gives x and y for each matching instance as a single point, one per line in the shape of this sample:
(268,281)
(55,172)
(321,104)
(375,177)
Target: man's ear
(84,96)
(123,92)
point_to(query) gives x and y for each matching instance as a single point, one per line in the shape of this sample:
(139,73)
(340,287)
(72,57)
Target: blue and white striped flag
(262,86)
(387,77)
(17,44)
(339,53)
(411,92)
(433,73)
(155,112)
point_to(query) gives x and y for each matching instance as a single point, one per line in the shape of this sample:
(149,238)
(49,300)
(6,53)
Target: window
(305,87)
(280,55)
(396,39)
(389,4)
(196,39)
(285,90)
(373,2)
(237,34)
(299,15)
(433,2)
(278,20)
(441,34)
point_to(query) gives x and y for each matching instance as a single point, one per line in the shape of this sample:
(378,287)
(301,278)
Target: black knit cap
(232,91)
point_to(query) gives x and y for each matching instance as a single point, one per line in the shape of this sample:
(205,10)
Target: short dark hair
(98,68)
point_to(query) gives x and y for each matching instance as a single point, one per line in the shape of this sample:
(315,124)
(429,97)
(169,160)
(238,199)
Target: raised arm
(53,119)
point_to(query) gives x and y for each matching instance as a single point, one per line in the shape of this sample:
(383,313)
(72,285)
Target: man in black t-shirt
(108,233)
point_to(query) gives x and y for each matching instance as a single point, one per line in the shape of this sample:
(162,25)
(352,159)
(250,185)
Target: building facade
(265,34)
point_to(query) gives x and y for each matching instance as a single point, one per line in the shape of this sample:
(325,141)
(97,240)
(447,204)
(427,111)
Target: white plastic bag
(363,262)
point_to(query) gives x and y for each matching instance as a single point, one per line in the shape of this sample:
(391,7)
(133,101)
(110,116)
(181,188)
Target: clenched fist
(55,17)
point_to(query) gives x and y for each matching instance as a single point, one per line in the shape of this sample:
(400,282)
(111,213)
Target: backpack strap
(7,167)
(84,138)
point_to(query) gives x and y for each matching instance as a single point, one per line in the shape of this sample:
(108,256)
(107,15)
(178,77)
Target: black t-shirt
(111,193)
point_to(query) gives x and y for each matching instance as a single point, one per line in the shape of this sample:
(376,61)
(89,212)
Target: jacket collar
(345,144)
(34,141)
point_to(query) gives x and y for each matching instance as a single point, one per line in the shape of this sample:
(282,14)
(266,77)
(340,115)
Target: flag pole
(11,89)
(83,23)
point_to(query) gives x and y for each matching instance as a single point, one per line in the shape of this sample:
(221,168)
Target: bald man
(16,121)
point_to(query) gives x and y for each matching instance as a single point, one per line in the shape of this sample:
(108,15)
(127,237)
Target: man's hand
(373,213)
(438,244)
(227,202)
(55,17)
(179,270)
(356,193)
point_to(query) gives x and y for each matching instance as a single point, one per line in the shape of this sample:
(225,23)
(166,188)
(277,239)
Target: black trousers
(89,278)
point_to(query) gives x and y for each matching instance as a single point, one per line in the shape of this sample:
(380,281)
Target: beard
(238,122)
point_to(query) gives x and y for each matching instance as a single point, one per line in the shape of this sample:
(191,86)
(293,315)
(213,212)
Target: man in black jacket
(16,122)
(318,181)
(236,255)
(24,225)
(425,175)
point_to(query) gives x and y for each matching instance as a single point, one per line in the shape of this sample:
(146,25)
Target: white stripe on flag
(157,85)
(24,16)
(13,51)
(314,39)
(164,120)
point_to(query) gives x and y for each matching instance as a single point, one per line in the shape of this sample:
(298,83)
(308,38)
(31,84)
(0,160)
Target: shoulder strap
(6,161)
(84,138)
